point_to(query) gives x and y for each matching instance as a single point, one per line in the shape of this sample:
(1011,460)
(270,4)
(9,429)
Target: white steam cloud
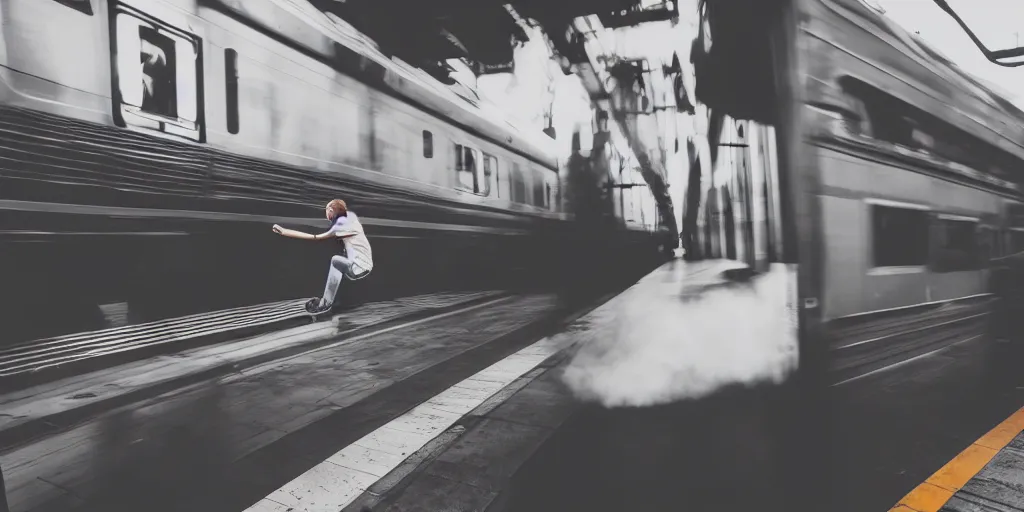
(677,345)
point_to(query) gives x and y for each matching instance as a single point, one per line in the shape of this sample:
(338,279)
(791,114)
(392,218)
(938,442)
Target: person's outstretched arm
(291,233)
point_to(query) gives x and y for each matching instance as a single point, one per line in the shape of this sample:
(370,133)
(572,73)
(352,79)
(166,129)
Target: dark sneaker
(316,306)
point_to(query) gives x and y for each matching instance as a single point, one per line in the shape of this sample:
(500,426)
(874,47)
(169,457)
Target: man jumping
(357,262)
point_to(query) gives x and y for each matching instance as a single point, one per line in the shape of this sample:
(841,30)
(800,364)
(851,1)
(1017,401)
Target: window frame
(874,268)
(125,37)
(460,163)
(486,171)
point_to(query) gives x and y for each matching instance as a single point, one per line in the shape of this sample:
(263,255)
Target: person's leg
(339,267)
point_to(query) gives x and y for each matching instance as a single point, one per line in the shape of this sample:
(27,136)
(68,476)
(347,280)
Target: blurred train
(146,146)
(917,166)
(855,149)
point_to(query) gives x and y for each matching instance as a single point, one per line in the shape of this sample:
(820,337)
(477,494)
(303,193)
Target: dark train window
(83,6)
(538,189)
(518,182)
(428,144)
(466,169)
(158,75)
(886,118)
(490,168)
(899,236)
(991,247)
(957,246)
(159,83)
(1016,241)
(231,88)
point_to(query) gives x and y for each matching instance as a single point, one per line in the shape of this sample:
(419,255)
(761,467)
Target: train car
(917,168)
(146,146)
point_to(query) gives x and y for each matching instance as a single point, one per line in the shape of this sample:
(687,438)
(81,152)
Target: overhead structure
(1008,57)
(426,33)
(484,34)
(618,86)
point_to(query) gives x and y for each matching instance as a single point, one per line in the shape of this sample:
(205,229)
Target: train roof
(332,40)
(974,107)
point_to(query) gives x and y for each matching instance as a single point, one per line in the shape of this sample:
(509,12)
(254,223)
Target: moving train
(146,146)
(917,166)
(892,178)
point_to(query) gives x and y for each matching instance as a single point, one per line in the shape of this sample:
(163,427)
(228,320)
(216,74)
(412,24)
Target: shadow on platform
(729,451)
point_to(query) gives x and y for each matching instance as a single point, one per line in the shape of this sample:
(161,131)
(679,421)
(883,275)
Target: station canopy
(483,32)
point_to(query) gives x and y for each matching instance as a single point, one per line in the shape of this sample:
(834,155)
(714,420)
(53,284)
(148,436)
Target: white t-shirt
(357,247)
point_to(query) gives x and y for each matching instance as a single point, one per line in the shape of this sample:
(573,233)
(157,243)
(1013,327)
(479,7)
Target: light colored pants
(341,267)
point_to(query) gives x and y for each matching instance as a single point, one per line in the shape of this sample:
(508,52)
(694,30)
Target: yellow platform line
(931,495)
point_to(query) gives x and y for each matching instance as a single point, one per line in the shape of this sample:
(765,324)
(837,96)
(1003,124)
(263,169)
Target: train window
(547,195)
(159,84)
(1016,241)
(957,246)
(231,88)
(900,236)
(466,169)
(157,70)
(428,144)
(888,119)
(988,238)
(860,123)
(518,182)
(490,168)
(996,243)
(538,189)
(83,6)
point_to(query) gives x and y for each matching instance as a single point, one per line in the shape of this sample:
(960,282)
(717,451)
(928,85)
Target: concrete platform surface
(225,443)
(674,395)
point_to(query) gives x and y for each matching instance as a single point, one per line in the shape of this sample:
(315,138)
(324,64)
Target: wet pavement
(663,402)
(719,453)
(744,448)
(893,430)
(641,417)
(224,444)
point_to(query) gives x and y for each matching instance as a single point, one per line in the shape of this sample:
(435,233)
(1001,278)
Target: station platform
(627,413)
(988,476)
(671,395)
(48,359)
(214,419)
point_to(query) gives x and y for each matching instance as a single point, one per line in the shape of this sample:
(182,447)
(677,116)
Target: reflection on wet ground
(688,411)
(174,460)
(225,443)
(698,425)
(853,448)
(133,463)
(719,453)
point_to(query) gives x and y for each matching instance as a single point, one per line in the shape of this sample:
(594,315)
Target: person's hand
(278,229)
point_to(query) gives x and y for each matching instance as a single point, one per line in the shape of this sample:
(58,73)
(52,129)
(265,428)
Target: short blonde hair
(339,207)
